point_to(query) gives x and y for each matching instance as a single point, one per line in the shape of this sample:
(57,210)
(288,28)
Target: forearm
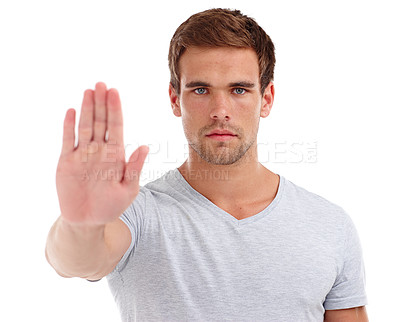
(76,251)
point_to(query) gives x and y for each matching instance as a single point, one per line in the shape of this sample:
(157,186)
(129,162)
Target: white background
(332,129)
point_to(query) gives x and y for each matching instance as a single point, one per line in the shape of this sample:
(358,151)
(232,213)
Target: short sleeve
(133,217)
(348,290)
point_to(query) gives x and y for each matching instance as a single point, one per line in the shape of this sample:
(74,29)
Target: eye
(239,91)
(200,91)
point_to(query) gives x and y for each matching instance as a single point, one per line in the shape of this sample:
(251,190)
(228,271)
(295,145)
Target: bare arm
(94,185)
(86,251)
(357,314)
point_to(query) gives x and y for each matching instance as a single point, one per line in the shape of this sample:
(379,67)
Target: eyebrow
(204,84)
(242,84)
(197,84)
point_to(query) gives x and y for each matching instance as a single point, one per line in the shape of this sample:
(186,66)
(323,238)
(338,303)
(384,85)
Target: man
(221,237)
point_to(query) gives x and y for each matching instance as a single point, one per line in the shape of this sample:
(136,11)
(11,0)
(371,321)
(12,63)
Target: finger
(135,165)
(114,117)
(86,119)
(68,144)
(100,113)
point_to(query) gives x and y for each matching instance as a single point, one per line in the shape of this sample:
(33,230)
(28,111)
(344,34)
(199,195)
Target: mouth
(221,135)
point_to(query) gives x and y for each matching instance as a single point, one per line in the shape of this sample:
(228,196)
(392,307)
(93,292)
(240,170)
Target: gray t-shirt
(191,261)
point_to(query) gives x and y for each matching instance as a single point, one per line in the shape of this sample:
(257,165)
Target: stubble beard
(221,153)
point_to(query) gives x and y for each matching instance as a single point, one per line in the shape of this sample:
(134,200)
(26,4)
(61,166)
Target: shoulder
(161,192)
(305,197)
(312,205)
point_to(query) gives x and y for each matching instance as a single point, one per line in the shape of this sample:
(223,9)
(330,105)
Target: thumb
(134,166)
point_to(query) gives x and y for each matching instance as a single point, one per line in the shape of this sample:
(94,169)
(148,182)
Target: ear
(175,103)
(267,100)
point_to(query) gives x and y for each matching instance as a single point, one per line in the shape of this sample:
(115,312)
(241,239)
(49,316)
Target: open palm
(94,182)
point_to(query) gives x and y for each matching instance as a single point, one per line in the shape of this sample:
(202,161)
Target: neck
(240,181)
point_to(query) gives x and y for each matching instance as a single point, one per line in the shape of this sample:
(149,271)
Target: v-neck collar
(180,182)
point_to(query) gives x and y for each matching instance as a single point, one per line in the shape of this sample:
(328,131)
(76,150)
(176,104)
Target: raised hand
(94,182)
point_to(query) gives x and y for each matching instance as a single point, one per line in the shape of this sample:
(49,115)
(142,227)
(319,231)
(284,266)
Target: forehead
(219,64)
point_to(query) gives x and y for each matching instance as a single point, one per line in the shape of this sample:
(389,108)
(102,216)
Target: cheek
(189,117)
(251,124)
(193,112)
(189,124)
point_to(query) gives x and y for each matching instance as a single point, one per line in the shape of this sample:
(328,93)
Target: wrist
(79,227)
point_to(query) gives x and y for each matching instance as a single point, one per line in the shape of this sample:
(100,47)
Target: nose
(220,107)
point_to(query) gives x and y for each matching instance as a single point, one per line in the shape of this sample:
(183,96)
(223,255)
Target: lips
(221,135)
(220,132)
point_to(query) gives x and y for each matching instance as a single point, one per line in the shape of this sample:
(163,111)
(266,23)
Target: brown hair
(222,28)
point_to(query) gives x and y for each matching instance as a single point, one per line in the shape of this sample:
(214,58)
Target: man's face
(220,102)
